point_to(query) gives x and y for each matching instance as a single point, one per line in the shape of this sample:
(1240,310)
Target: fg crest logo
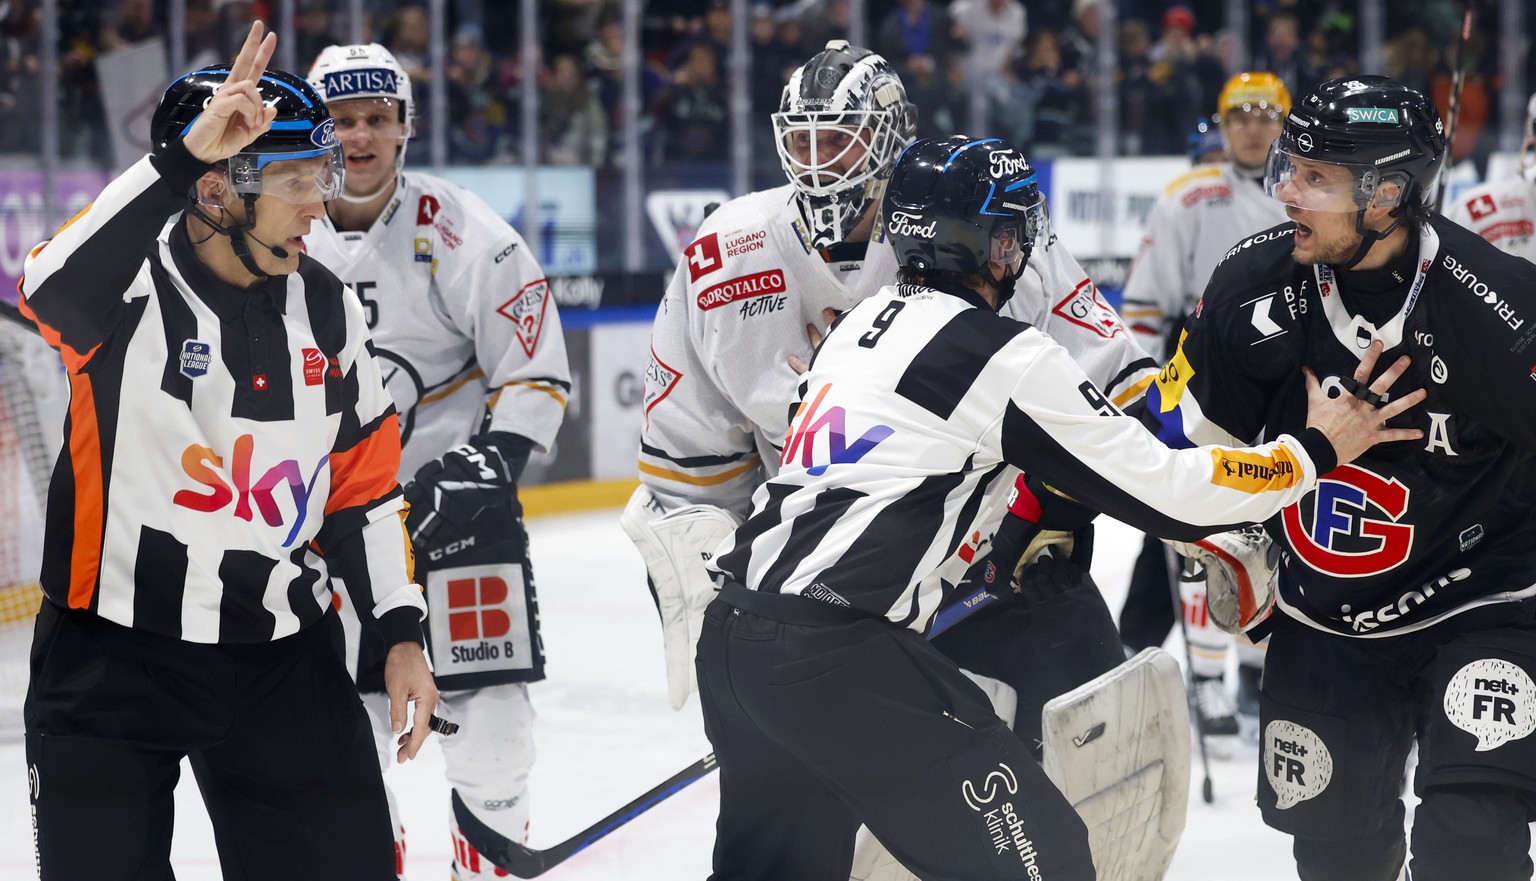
(1349,526)
(526,310)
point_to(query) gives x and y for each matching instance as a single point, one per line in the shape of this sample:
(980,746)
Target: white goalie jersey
(461,316)
(718,388)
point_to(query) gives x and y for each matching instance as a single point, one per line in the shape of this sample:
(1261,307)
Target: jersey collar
(1356,333)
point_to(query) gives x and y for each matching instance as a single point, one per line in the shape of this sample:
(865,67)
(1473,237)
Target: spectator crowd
(1025,70)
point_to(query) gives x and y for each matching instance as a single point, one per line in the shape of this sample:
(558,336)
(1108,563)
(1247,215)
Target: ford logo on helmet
(324,134)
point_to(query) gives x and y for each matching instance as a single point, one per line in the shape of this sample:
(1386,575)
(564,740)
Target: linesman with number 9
(825,704)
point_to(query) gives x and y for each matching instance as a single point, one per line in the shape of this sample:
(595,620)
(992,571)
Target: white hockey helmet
(365,70)
(854,96)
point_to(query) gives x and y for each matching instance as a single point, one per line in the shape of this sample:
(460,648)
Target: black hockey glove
(1057,568)
(449,492)
(1036,518)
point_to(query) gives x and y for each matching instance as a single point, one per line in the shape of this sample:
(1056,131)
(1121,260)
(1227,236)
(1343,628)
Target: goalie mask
(843,119)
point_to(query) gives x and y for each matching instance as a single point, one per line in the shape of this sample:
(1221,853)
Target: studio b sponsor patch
(1297,763)
(1491,699)
(480,619)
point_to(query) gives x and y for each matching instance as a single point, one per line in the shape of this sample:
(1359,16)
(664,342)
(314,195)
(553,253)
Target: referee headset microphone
(298,160)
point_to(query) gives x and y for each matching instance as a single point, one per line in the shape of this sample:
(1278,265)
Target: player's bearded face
(1319,198)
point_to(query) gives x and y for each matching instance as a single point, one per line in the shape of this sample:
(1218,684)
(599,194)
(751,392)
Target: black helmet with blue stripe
(302,129)
(962,205)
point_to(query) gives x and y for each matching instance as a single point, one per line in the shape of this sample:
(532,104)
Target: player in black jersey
(825,704)
(1406,577)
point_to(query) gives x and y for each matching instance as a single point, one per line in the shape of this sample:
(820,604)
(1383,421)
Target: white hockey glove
(1241,568)
(675,546)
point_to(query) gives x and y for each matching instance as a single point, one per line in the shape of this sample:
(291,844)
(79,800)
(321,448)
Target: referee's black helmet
(959,204)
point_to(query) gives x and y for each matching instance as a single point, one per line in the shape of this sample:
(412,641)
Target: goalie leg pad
(1118,747)
(676,546)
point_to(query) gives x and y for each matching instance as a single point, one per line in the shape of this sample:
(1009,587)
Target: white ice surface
(606,734)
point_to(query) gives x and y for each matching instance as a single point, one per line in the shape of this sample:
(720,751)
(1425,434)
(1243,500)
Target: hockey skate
(1215,715)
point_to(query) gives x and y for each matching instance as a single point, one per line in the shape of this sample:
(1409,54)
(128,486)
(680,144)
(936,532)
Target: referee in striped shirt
(229,449)
(825,704)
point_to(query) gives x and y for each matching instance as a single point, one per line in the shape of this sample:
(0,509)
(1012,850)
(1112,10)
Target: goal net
(32,401)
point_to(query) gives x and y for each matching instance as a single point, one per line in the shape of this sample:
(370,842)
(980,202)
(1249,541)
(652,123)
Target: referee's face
(281,225)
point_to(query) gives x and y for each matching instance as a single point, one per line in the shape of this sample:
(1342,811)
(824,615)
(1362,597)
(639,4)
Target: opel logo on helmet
(1304,141)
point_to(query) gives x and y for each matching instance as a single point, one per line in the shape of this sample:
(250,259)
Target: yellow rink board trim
(577,495)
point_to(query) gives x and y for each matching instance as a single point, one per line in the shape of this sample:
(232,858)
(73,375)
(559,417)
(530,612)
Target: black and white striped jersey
(914,409)
(226,451)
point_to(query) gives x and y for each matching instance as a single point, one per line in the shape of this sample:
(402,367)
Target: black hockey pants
(275,733)
(822,721)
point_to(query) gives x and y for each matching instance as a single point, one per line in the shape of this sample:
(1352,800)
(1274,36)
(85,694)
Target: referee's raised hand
(234,116)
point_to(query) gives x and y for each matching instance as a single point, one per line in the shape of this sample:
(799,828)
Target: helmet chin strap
(361,200)
(237,233)
(1369,237)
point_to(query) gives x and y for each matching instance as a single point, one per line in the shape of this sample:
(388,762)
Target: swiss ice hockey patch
(526,310)
(195,358)
(1084,307)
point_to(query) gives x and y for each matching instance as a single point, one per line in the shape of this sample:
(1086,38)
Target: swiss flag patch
(526,310)
(703,257)
(1481,207)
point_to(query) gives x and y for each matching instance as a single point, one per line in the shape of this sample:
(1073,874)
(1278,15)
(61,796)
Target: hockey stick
(12,314)
(1458,79)
(1207,791)
(525,862)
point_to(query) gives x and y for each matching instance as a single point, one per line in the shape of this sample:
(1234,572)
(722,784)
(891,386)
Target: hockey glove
(1241,568)
(449,492)
(1056,563)
(1037,519)
(676,546)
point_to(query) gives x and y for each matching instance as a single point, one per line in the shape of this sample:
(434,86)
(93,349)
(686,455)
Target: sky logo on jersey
(1349,526)
(204,466)
(195,358)
(808,424)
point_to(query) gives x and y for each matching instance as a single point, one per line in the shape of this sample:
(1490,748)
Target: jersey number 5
(882,323)
(362,288)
